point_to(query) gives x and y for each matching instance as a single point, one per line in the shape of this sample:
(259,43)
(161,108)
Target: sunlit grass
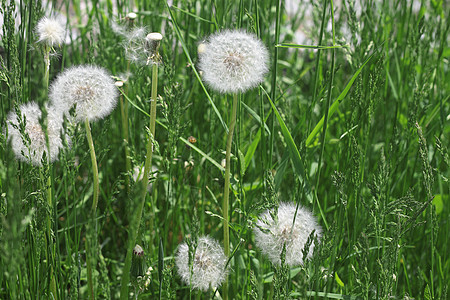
(352,122)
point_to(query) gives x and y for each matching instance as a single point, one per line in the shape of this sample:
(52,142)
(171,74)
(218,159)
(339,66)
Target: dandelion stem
(94,166)
(47,65)
(124,114)
(138,213)
(226,192)
(91,222)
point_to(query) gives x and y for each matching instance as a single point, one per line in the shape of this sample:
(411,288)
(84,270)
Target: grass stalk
(125,136)
(94,167)
(90,259)
(148,163)
(226,191)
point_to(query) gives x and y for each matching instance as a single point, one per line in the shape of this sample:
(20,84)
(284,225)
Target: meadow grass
(352,122)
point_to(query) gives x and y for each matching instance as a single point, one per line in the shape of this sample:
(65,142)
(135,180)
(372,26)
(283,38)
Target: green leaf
(338,280)
(293,152)
(438,203)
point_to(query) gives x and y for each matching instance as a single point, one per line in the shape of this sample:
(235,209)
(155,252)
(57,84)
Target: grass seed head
(207,267)
(272,233)
(90,89)
(51,31)
(233,61)
(29,145)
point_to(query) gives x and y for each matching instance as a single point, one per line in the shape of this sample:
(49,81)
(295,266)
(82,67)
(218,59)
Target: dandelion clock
(89,89)
(29,144)
(275,229)
(233,61)
(207,266)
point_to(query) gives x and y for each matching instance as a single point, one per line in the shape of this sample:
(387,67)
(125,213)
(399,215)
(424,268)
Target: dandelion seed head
(140,47)
(90,89)
(31,145)
(51,31)
(233,61)
(208,264)
(272,234)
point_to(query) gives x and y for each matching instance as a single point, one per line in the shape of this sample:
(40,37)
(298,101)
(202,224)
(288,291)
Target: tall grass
(352,122)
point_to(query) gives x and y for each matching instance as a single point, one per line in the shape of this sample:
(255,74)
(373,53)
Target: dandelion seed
(207,267)
(272,233)
(31,145)
(90,89)
(51,31)
(233,61)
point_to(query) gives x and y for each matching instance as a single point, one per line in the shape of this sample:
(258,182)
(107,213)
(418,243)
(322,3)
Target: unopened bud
(137,262)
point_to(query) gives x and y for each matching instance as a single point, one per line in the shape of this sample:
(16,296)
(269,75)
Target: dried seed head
(207,267)
(31,145)
(153,42)
(271,234)
(51,31)
(141,48)
(90,89)
(233,61)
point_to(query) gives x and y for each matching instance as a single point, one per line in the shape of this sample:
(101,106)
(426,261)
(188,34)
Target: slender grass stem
(148,163)
(226,192)
(94,166)
(125,136)
(91,223)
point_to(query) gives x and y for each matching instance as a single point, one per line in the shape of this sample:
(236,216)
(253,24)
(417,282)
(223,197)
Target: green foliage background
(374,171)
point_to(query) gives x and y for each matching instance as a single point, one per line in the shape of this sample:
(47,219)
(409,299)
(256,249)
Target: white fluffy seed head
(208,264)
(271,235)
(233,61)
(141,48)
(51,31)
(31,146)
(90,89)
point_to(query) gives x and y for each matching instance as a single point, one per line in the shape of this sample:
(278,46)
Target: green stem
(94,166)
(226,191)
(91,223)
(47,65)
(148,163)
(124,114)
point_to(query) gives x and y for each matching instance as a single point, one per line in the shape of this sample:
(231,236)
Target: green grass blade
(193,15)
(316,47)
(338,101)
(206,156)
(186,52)
(293,151)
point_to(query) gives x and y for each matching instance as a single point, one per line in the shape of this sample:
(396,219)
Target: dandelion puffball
(271,235)
(233,61)
(208,264)
(51,31)
(142,48)
(31,146)
(90,89)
